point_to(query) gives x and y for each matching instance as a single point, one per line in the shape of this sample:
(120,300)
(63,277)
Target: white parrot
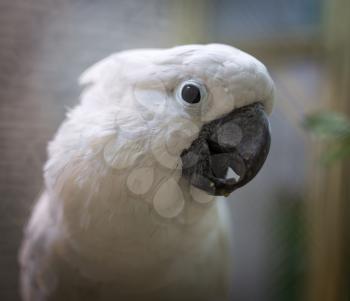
(130,208)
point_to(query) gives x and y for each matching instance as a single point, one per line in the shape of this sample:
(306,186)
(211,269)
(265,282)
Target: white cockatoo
(131,207)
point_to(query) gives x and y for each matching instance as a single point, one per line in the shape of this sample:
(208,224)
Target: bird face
(202,110)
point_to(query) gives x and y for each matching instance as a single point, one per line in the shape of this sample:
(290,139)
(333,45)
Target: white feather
(116,219)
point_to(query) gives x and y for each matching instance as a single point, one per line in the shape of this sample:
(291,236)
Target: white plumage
(116,220)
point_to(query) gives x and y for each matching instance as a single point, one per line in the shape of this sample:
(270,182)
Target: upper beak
(239,140)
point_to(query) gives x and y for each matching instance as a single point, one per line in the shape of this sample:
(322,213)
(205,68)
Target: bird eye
(191,92)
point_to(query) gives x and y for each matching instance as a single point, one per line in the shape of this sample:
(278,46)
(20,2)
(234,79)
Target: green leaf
(328,125)
(336,153)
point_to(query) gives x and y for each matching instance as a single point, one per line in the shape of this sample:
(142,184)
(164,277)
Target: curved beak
(237,143)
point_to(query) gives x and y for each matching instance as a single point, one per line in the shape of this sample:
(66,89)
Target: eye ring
(191,92)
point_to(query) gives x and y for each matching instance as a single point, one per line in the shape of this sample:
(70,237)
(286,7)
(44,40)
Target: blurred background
(290,224)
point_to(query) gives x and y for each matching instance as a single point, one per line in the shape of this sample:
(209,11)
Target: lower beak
(239,141)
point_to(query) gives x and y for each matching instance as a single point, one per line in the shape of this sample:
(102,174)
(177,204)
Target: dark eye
(191,93)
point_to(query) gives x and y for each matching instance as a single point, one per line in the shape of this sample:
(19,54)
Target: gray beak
(239,140)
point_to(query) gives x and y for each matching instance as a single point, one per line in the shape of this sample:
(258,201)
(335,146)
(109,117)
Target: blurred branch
(288,228)
(329,246)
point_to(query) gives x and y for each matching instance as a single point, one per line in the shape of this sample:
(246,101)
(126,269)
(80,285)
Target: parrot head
(158,133)
(198,111)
